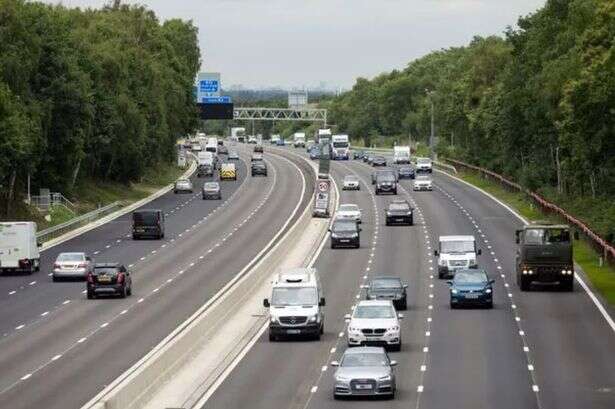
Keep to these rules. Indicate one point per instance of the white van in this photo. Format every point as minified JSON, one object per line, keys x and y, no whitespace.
{"x":18,"y":247}
{"x":295,"y":307}
{"x":456,"y":253}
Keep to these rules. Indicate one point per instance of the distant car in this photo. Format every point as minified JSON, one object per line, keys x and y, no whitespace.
{"x":388,"y":288}
{"x":374,"y":322}
{"x":279,"y":142}
{"x":211,"y":190}
{"x":252,"y":140}
{"x":368,"y":157}
{"x":386,"y":183}
{"x":471,"y":287}
{"x":423,"y":165}
{"x":256,"y":157}
{"x":183,"y":185}
{"x":232,"y":155}
{"x":148,"y":223}
{"x":399,"y":212}
{"x":379,"y":161}
{"x":315,"y":153}
{"x":380,"y":172}
{"x":365,"y":371}
{"x":71,"y":266}
{"x":406,"y":172}
{"x":422,"y":183}
{"x":258,"y":168}
{"x":258,"y":148}
{"x":222,"y":150}
{"x":351,"y":182}
{"x":348,"y":212}
{"x":220,"y":143}
{"x":358,"y":154}
{"x":205,"y":169}
{"x":109,"y":279}
{"x":345,"y":233}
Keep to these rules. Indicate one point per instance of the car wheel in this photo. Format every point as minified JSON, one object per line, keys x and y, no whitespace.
{"x":396,"y":348}
{"x":404,"y":306}
{"x":440,"y":275}
{"x":568,"y":285}
{"x":322,"y":328}
{"x":129,"y":292}
{"x":55,"y":279}
{"x":272,"y":338}
{"x":387,"y":223}
{"x":490,"y":304}
{"x":123,"y":293}
{"x":317,"y":336}
{"x":332,"y":245}
{"x":524,"y":284}
{"x":453,"y":306}
{"x":91,"y":295}
{"x":412,"y":222}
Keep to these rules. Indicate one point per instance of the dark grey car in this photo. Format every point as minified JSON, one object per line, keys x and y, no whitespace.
{"x":388,"y":288}
{"x":364,"y":371}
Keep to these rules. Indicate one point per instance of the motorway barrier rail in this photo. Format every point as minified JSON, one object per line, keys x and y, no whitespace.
{"x":605,"y":248}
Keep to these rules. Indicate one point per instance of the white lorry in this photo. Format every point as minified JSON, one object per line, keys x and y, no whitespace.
{"x":212,"y":145}
{"x":238,"y":134}
{"x":299,"y":140}
{"x":18,"y":247}
{"x":323,"y":136}
{"x":401,"y":155}
{"x":341,"y":147}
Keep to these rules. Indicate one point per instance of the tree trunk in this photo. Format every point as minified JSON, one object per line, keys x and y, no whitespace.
{"x":558,"y":167}
{"x":592,"y":183}
{"x":11,"y":194}
{"x":75,"y":174}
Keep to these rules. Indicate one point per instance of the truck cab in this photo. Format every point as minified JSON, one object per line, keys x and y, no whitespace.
{"x":456,"y":253}
{"x":341,"y":147}
{"x":544,"y":256}
{"x":295,"y":306}
{"x":401,"y":155}
{"x":299,"y":140}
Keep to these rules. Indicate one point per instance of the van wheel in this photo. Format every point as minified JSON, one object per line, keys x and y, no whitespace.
{"x":129,"y":292}
{"x":317,"y":336}
{"x":272,"y":338}
{"x":524,"y":284}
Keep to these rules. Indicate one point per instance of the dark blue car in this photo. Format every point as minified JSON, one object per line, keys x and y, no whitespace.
{"x":315,"y":152}
{"x":471,"y":288}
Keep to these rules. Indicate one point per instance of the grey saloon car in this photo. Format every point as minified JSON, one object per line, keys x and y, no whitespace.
{"x":72,"y":266}
{"x":211,"y":190}
{"x":364,"y":371}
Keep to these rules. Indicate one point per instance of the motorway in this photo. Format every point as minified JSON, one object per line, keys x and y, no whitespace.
{"x":59,"y":349}
{"x":542,"y":349}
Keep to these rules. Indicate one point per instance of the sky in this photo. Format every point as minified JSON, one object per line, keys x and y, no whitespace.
{"x":306,"y":43}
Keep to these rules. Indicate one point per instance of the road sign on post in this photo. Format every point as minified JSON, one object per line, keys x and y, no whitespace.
{"x":322,"y":198}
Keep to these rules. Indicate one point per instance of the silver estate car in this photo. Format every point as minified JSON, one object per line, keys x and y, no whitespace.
{"x":72,"y":266}
{"x":364,"y":371}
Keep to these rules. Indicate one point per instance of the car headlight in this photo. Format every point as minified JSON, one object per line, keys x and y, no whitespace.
{"x":353,"y":329}
{"x":394,"y":328}
{"x":354,"y":235}
{"x":442,"y":263}
{"x":334,"y":236}
{"x":488,"y":290}
{"x":273,"y":319}
{"x":453,"y":291}
{"x":342,"y":379}
{"x":313,"y":318}
{"x":385,"y":378}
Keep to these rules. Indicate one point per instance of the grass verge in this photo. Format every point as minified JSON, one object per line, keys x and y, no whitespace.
{"x":601,"y":277}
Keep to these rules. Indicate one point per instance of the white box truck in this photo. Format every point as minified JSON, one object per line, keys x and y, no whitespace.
{"x":401,"y":155}
{"x":18,"y":247}
{"x":341,"y":147}
{"x":299,"y":140}
{"x":238,"y":134}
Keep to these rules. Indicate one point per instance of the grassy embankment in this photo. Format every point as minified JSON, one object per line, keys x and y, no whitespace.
{"x":602,"y":277}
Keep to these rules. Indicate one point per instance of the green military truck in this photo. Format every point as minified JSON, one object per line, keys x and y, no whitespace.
{"x":544,"y":256}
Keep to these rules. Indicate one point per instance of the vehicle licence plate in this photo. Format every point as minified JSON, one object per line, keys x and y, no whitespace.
{"x":293,"y":331}
{"x":104,"y":279}
{"x":344,"y":240}
{"x":364,"y":386}
{"x":471,"y":295}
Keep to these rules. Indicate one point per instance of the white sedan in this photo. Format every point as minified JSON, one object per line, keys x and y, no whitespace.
{"x":348,"y":212}
{"x":422,"y":183}
{"x":351,"y":182}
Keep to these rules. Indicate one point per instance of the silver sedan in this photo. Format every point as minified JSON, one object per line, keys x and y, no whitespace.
{"x":183,"y":185}
{"x":71,"y":266}
{"x":364,"y":371}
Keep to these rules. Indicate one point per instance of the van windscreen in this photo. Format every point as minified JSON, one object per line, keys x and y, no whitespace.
{"x":294,"y":296}
{"x":147,"y":218}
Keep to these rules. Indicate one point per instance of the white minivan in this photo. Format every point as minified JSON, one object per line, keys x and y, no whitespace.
{"x":19,"y":248}
{"x":295,"y":307}
{"x":456,"y":253}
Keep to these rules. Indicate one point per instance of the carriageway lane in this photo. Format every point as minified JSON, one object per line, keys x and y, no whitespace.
{"x":282,"y":374}
{"x":24,"y":298}
{"x":234,"y":236}
{"x":570,"y":344}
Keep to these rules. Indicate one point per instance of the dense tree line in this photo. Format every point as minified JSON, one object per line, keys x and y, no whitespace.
{"x":537,"y":105}
{"x":100,"y":94}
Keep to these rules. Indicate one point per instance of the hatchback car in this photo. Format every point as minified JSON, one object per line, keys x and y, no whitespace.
{"x":258,"y":168}
{"x":211,"y":190}
{"x":388,"y":288}
{"x":72,"y":266}
{"x":365,"y":371}
{"x":376,"y":323}
{"x":406,"y":172}
{"x":379,"y":161}
{"x":345,"y":233}
{"x":358,"y":154}
{"x":471,"y":287}
{"x":348,"y":212}
{"x":351,"y":182}
{"x":183,"y":185}
{"x":222,"y":150}
{"x":256,"y":157}
{"x":232,"y":155}
{"x":315,"y":153}
{"x":109,"y":279}
{"x":422,"y":183}
{"x":399,"y":212}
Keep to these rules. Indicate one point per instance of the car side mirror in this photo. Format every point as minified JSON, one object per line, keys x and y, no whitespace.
{"x":360,"y":229}
{"x":322,"y":302}
{"x":436,"y":253}
{"x":405,"y":285}
{"x":266,"y":303}
{"x":479,"y":252}
{"x":335,"y":363}
{"x":347,"y":317}
{"x":576,"y":235}
{"x":364,"y":286}
{"x":400,"y":316}
{"x":393,"y":363}
{"x":491,"y":281}
{"x":449,"y":282}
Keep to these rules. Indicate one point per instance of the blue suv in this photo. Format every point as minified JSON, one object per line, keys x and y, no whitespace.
{"x":471,"y":287}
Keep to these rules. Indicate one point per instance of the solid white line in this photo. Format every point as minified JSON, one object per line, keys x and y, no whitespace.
{"x":19,"y":326}
{"x":23,"y":378}
{"x":81,"y":340}
{"x":104,"y":325}
{"x":45,"y":313}
{"x":12,"y":292}
{"x":55,"y":358}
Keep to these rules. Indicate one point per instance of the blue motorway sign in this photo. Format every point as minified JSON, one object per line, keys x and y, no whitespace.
{"x":209,"y":86}
{"x":216,"y":100}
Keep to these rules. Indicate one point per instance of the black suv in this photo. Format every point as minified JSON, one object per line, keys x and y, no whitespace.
{"x":345,"y":233}
{"x":109,"y":279}
{"x":399,"y":212}
{"x":386,"y":184}
{"x":388,"y":288}
{"x":259,"y":168}
{"x":406,"y":172}
{"x":148,"y":223}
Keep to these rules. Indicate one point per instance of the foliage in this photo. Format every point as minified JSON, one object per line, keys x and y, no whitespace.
{"x":537,"y":105}
{"x":97,"y":95}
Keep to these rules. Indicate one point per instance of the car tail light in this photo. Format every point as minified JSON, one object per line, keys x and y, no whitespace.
{"x":120,"y":278}
{"x":90,"y":278}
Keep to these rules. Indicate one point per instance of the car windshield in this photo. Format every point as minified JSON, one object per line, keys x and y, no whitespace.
{"x":405,"y":169}
{"x":71,"y":257}
{"x":545,"y":236}
{"x":365,"y":359}
{"x":379,"y":158}
{"x":340,"y":144}
{"x":386,"y":178}
{"x":457,"y":246}
{"x":399,"y":206}
{"x":349,"y":208}
{"x":344,"y":227}
{"x":105,"y":270}
{"x":183,"y":181}
{"x":423,"y":178}
{"x":294,"y":296}
{"x":374,"y":311}
{"x":386,"y":283}
{"x":470,"y":277}
{"x":145,"y":217}
{"x":211,"y":185}
{"x":350,"y":178}
{"x":423,"y":161}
